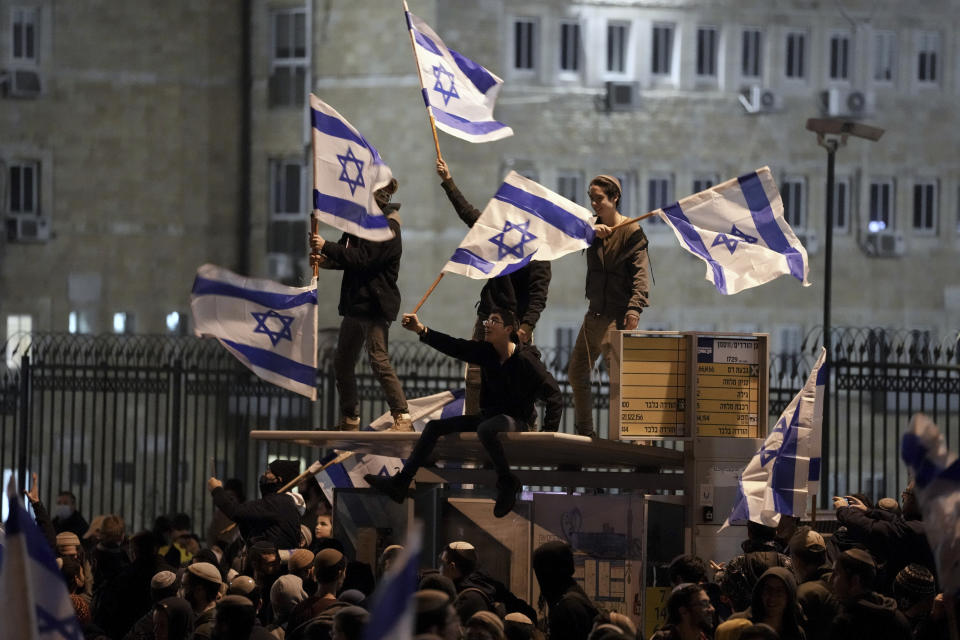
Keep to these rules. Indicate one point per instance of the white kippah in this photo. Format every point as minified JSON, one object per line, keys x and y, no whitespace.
{"x":460,"y":545}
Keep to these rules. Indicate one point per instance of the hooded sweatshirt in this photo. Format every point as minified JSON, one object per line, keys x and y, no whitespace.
{"x":870,"y":617}
{"x":179,"y":618}
{"x":792,"y":615}
{"x":571,"y":612}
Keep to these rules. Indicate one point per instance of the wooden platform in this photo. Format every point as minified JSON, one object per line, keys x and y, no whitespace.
{"x":522,"y":449}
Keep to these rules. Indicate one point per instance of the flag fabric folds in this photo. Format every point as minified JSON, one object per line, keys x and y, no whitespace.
{"x":349,"y":473}
{"x":269,"y":327}
{"x":36,"y":604}
{"x":936,"y":471}
{"x":347,"y":170}
{"x":456,"y":90}
{"x":786,"y":469}
{"x":738,"y":229}
{"x":524,"y":221}
{"x":393,"y":608}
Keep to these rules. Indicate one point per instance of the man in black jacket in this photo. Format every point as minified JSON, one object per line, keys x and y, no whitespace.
{"x":273,"y":517}
{"x":369,"y":302}
{"x":570,"y":612}
{"x":865,"y":614}
{"x":524,"y":291}
{"x":512,"y":378}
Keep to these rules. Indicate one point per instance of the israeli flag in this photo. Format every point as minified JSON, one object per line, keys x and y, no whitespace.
{"x":786,"y":469}
{"x":269,"y":327}
{"x":347,"y":170}
{"x":393,"y":607}
{"x":457,"y":91}
{"x":348,"y":473}
{"x":524,"y":221}
{"x":738,"y":229}
{"x":36,"y":604}
{"x":936,"y":471}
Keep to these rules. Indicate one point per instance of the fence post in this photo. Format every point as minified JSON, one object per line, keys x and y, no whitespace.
{"x":25,"y":373}
{"x":176,"y":388}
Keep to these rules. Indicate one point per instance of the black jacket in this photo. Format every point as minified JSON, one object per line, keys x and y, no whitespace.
{"x":370,"y":270}
{"x":871,"y":617}
{"x":480,"y":592}
{"x":819,"y":604}
{"x":618,"y":273}
{"x":509,"y":388}
{"x":897,"y":539}
{"x":524,"y":292}
{"x":274,"y":517}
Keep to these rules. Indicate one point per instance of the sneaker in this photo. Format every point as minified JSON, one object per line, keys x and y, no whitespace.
{"x":401,"y":422}
{"x":349,"y":423}
{"x":507,"y":490}
{"x":388,"y":486}
{"x":585,"y":431}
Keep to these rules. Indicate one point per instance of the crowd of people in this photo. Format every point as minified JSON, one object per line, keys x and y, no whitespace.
{"x":271,"y":568}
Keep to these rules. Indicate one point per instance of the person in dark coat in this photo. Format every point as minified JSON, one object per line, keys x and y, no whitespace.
{"x":475,"y":590}
{"x":808,"y":553}
{"x":570,"y":612}
{"x":513,"y":377}
{"x":173,"y":619}
{"x":774,"y":603}
{"x":273,"y":517}
{"x":739,"y":576}
{"x":66,"y":517}
{"x":524,"y":291}
{"x":865,"y":614}
{"x":369,"y":302}
{"x":900,"y":539}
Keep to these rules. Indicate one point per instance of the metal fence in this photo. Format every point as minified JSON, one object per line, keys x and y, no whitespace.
{"x":132,"y":424}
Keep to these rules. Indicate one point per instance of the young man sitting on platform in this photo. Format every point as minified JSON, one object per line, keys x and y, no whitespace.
{"x":512,"y":378}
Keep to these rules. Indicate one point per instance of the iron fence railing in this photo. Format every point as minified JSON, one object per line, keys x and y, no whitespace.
{"x":133,"y":424}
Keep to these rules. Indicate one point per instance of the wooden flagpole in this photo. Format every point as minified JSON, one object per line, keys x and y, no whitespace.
{"x":429,"y":291}
{"x":290,"y":485}
{"x":433,"y":124}
{"x":315,"y":256}
{"x":637,"y":219}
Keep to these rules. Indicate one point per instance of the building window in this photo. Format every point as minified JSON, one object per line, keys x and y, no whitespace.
{"x":618,"y":34}
{"x":570,"y":186}
{"x":925,"y":206}
{"x":19,"y":327}
{"x":928,"y":53}
{"x":286,"y":186}
{"x":524,"y":43}
{"x":659,"y":195}
{"x":570,"y":46}
{"x":750,"y":54}
{"x":78,"y":322}
{"x":24,"y":36}
{"x":174,"y":322}
{"x":707,"y":51}
{"x":881,"y":205}
{"x":703,"y":182}
{"x":289,"y":63}
{"x":840,"y":56}
{"x":123,"y":322}
{"x":661,"y":63}
{"x":884,"y":56}
{"x":23,"y":187}
{"x":793,"y":192}
{"x":796,"y":55}
{"x":841,"y":204}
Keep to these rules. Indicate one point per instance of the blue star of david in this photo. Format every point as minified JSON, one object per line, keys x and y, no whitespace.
{"x":275,"y":336}
{"x":439,"y":71}
{"x":48,"y":623}
{"x":731,"y":243}
{"x":349,"y":158}
{"x":768,"y":454}
{"x":504,"y":249}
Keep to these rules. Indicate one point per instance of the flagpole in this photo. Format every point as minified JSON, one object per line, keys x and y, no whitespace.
{"x":637,"y":219}
{"x":429,"y":291}
{"x":433,"y":124}
{"x":310,"y":472}
{"x":315,"y":256}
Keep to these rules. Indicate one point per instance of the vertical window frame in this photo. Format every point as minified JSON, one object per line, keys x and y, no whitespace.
{"x":793,"y":193}
{"x":280,"y":172}
{"x":924,"y":206}
{"x":707,"y":52}
{"x":663,"y":35}
{"x":525,"y":33}
{"x":929,"y":58}
{"x":795,"y":55}
{"x":884,"y":58}
{"x":24,"y":35}
{"x":292,"y":65}
{"x":842,"y":203}
{"x":570,"y":48}
{"x":839,"y":56}
{"x":751,"y":53}
{"x":618,"y":47}
{"x":882,"y":203}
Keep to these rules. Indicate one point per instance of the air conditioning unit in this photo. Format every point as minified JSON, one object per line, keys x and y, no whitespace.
{"x":809,"y":240}
{"x":621,"y":96}
{"x":756,"y":99}
{"x":21,"y":83}
{"x":851,"y":103}
{"x":28,"y":228}
{"x":885,"y":244}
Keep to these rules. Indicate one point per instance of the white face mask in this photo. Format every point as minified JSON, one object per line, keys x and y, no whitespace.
{"x":62,"y":511}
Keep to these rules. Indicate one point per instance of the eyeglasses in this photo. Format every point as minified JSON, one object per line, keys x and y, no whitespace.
{"x":492,"y":321}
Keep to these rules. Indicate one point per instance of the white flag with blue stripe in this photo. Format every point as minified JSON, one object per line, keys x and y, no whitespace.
{"x":458,"y":92}
{"x":347,"y":170}
{"x":786,"y":469}
{"x":936,"y":471}
{"x":269,"y":327}
{"x":349,"y":473}
{"x":393,"y":608}
{"x":524,"y":221}
{"x":36,"y":604}
{"x":738,"y":229}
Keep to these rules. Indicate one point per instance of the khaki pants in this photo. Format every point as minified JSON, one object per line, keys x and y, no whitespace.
{"x":354,"y":334}
{"x":598,"y":337}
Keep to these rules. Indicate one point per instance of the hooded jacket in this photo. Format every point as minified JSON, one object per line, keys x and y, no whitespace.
{"x":792,"y":614}
{"x":480,"y":592}
{"x":524,"y":292}
{"x":180,"y":618}
{"x":618,"y":273}
{"x":370,"y":271}
{"x":819,"y":604}
{"x":570,"y":612}
{"x":870,"y":617}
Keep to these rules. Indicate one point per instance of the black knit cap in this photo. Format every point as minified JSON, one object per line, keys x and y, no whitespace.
{"x":914,"y":582}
